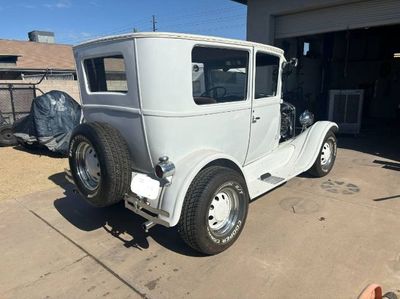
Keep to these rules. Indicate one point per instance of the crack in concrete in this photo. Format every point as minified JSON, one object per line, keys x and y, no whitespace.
{"x":104,"y":266}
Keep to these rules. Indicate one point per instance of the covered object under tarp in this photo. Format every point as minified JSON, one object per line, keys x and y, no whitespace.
{"x":50,"y":122}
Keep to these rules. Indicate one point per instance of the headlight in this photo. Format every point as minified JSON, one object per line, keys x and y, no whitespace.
{"x":306,"y":119}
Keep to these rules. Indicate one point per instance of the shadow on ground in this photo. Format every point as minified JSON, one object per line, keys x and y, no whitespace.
{"x":118,"y":221}
{"x":38,"y":150}
{"x":382,"y":141}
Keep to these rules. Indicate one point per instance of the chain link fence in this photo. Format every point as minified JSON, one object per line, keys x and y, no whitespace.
{"x":16,"y":100}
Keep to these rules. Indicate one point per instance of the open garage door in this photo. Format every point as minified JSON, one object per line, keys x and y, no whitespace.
{"x":337,"y":18}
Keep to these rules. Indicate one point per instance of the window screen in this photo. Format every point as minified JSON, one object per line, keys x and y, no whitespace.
{"x":267,"y":71}
{"x":106,"y":74}
{"x":219,"y":75}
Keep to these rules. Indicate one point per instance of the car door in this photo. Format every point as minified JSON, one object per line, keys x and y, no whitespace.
{"x":266,"y":100}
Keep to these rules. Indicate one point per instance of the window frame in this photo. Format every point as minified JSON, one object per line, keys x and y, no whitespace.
{"x":279,"y":82}
{"x":104,"y":55}
{"x":247,"y":93}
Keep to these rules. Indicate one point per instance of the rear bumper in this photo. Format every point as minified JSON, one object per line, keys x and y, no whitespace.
{"x":141,"y":208}
{"x":136,"y":205}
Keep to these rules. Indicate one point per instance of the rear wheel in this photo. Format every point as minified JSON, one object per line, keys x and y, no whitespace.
{"x":326,"y":157}
{"x":100,"y":163}
{"x":214,"y":210}
{"x":6,"y":136}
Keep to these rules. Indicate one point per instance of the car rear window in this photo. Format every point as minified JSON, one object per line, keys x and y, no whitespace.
{"x":219,"y":75}
{"x":106,"y":74}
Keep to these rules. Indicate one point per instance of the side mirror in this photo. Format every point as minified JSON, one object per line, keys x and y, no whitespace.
{"x":292,"y":63}
{"x":306,"y":119}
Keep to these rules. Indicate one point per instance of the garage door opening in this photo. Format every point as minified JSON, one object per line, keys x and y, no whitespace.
{"x":351,"y":77}
{"x":360,"y":67}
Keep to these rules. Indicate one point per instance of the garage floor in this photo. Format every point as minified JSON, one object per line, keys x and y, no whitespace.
{"x":311,"y":238}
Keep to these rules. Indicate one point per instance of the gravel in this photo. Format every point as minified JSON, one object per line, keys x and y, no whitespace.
{"x":23,"y":172}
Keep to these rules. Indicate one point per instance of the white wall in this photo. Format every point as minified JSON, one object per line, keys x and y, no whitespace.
{"x":260,"y":15}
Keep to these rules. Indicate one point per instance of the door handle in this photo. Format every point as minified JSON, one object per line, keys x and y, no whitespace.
{"x":255,"y":119}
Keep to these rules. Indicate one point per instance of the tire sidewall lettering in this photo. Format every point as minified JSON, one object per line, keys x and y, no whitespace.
{"x":228,"y":238}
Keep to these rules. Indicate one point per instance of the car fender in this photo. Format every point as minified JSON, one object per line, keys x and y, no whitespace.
{"x":311,"y":144}
{"x":186,"y":170}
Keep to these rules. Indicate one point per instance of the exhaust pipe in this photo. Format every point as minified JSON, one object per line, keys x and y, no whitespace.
{"x":147,"y":225}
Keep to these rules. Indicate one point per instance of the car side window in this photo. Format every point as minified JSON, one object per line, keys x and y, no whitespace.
{"x":106,"y":74}
{"x":267,"y":72}
{"x":219,"y":75}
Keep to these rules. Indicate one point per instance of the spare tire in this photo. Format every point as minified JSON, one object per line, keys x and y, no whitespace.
{"x":100,"y":163}
{"x":6,"y":136}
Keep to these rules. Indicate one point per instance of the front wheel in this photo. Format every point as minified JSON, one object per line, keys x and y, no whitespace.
{"x":326,"y":157}
{"x":214,"y":210}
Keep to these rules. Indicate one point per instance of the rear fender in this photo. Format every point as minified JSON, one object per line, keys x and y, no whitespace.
{"x":186,"y":170}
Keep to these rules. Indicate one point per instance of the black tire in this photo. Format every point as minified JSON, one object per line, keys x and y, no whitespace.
{"x":6,"y":136}
{"x":319,"y":169}
{"x":114,"y":162}
{"x":194,"y":224}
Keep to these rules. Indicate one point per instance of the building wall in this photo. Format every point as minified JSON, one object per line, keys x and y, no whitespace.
{"x":260,"y":15}
{"x":69,"y":86}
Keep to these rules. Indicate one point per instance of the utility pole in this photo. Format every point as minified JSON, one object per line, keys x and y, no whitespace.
{"x":154,"y":23}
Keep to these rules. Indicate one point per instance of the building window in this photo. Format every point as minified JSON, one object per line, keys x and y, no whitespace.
{"x":267,"y":71}
{"x":8,"y":60}
{"x":106,"y":74}
{"x":306,"y":48}
{"x":219,"y":75}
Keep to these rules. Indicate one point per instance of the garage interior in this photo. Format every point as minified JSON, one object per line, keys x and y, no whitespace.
{"x":351,"y":77}
{"x":367,"y":60}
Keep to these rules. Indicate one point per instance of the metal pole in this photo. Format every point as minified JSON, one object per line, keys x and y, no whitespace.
{"x":12,"y":101}
{"x":154,"y":23}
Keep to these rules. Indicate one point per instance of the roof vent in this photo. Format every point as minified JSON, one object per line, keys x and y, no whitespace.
{"x":41,"y":37}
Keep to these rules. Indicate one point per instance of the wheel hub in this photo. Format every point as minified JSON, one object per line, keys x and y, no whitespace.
{"x":221,"y":212}
{"x":88,"y":166}
{"x":326,"y":154}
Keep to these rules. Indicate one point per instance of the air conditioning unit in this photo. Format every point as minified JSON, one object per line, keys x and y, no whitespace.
{"x":345,"y":108}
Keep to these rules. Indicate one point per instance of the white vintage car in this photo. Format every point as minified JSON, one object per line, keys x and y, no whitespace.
{"x":188,"y":129}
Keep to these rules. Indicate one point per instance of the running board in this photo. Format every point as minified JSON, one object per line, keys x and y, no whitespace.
{"x":268,"y":178}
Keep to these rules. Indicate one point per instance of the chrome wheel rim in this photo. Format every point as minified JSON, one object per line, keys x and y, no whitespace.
{"x":88,"y":166}
{"x":223,"y":211}
{"x":326,"y":154}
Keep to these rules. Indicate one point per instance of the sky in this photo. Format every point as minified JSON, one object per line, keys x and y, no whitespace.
{"x":75,"y":21}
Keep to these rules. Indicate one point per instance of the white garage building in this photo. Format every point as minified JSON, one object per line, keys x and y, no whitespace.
{"x":349,"y":56}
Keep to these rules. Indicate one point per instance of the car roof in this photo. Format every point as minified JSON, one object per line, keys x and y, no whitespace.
{"x":171,"y":35}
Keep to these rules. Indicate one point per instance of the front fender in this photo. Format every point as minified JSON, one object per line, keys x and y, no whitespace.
{"x":186,"y":170}
{"x":312,"y":140}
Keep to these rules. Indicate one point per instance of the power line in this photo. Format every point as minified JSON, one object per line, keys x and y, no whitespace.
{"x":175,"y":22}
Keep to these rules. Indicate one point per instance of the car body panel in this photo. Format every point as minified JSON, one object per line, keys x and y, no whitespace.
{"x":159,"y":118}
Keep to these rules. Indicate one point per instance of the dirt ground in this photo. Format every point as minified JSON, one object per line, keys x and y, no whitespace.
{"x":25,"y":172}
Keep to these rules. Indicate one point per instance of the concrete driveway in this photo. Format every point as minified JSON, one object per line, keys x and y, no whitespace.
{"x":311,"y":238}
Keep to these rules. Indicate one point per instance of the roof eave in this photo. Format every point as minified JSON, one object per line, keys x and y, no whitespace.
{"x":241,"y":1}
